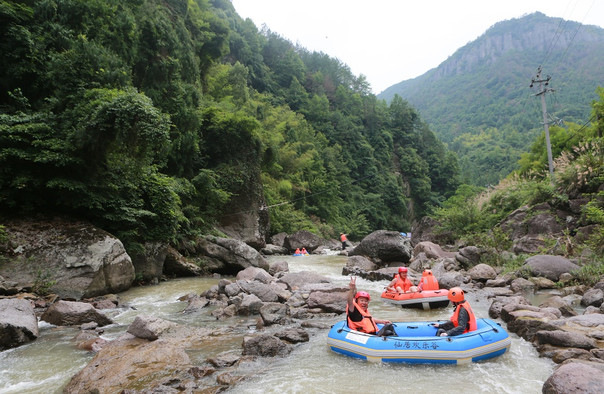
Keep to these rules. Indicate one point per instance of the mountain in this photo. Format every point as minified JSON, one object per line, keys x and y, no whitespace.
{"x":479,"y":102}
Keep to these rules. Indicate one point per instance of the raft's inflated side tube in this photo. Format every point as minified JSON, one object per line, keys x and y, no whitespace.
{"x":417,"y":343}
{"x":427,"y":299}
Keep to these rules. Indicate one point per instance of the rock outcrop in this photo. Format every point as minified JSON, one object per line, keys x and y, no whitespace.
{"x":70,"y":258}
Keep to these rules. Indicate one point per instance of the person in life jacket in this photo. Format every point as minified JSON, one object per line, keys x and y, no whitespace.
{"x":428,"y":281}
{"x":401,"y":284}
{"x":303,"y":251}
{"x":344,"y":240}
{"x":463,"y":319}
{"x":357,"y":311}
{"x":297,"y":251}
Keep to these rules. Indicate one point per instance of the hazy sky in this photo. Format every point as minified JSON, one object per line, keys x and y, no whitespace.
{"x":390,"y":41}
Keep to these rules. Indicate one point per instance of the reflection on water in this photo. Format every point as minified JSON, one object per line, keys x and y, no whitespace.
{"x":47,"y":364}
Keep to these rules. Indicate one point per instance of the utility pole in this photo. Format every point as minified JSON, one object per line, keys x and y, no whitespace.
{"x":543,"y":89}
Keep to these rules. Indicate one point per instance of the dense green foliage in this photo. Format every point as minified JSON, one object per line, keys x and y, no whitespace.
{"x":150,"y":117}
{"x":479,"y":102}
{"x":474,"y":213}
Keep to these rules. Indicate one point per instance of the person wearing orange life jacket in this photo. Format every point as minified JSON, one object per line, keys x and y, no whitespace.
{"x":357,"y":312}
{"x":463,"y":319}
{"x":303,"y":251}
{"x":428,"y":281}
{"x":344,"y":240}
{"x":400,"y":283}
{"x":297,"y":251}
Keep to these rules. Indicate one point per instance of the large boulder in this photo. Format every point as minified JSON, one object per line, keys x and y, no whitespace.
{"x":550,"y":267}
{"x":18,"y":323}
{"x":230,"y":255}
{"x":73,"y":259}
{"x":576,"y":377}
{"x":384,"y":246}
{"x":431,"y":250}
{"x":69,"y":313}
{"x":149,"y":262}
{"x":302,"y":239}
{"x":427,"y":230}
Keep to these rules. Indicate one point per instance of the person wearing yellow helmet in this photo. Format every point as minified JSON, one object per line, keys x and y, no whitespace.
{"x":463,"y":319}
{"x":357,"y":310}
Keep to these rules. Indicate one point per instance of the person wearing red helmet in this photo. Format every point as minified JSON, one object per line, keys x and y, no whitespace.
{"x":357,"y":311}
{"x":463,"y":319}
{"x":400,"y":283}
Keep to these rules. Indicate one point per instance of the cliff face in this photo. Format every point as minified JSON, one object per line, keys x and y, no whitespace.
{"x":534,"y":33}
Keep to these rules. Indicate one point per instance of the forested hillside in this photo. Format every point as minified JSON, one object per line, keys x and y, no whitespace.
{"x":479,"y":102}
{"x":161,"y":119}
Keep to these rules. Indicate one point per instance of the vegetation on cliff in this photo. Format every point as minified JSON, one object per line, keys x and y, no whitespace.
{"x":149,"y":118}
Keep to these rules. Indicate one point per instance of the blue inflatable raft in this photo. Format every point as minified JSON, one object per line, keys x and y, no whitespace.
{"x":417,"y":343}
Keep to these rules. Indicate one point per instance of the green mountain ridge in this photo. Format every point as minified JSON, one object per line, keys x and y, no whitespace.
{"x":479,"y":102}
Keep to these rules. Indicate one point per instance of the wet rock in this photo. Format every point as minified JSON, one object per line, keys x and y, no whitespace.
{"x":250,"y":305}
{"x":274,"y":313}
{"x":225,"y":359}
{"x":18,"y":323}
{"x":293,"y":335}
{"x":196,"y":304}
{"x":576,"y":377}
{"x":231,"y":254}
{"x":497,"y":282}
{"x":70,"y":313}
{"x":149,"y":327}
{"x":265,"y":345}
{"x":263,"y":291}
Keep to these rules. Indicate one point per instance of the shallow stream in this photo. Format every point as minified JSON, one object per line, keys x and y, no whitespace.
{"x":47,"y":364}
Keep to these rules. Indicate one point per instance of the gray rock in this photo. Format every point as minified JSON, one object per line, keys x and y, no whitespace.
{"x":69,"y":313}
{"x":265,"y":345}
{"x":70,"y":258}
{"x":549,"y":266}
{"x":384,"y":246}
{"x":565,"y":339}
{"x":149,"y":327}
{"x":254,"y":273}
{"x":576,"y":377}
{"x":302,"y":239}
{"x":593,"y":297}
{"x":274,"y":313}
{"x":149,"y":264}
{"x":293,"y":335}
{"x":521,"y":285}
{"x":250,"y":305}
{"x":279,"y":266}
{"x":302,"y":279}
{"x":482,"y":273}
{"x":18,"y":323}
{"x":431,"y":251}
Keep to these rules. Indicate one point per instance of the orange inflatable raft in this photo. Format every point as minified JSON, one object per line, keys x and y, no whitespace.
{"x":430,"y":295}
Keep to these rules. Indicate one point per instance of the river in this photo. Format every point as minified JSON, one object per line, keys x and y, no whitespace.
{"x":47,"y":364}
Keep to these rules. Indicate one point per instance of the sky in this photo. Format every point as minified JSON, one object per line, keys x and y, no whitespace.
{"x":389,"y":41}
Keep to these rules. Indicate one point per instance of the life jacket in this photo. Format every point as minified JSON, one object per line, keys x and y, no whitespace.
{"x":428,"y":282}
{"x":303,"y":251}
{"x":403,"y":284}
{"x":471,"y":321}
{"x":343,"y":238}
{"x":366,"y":325}
{"x":297,"y":251}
